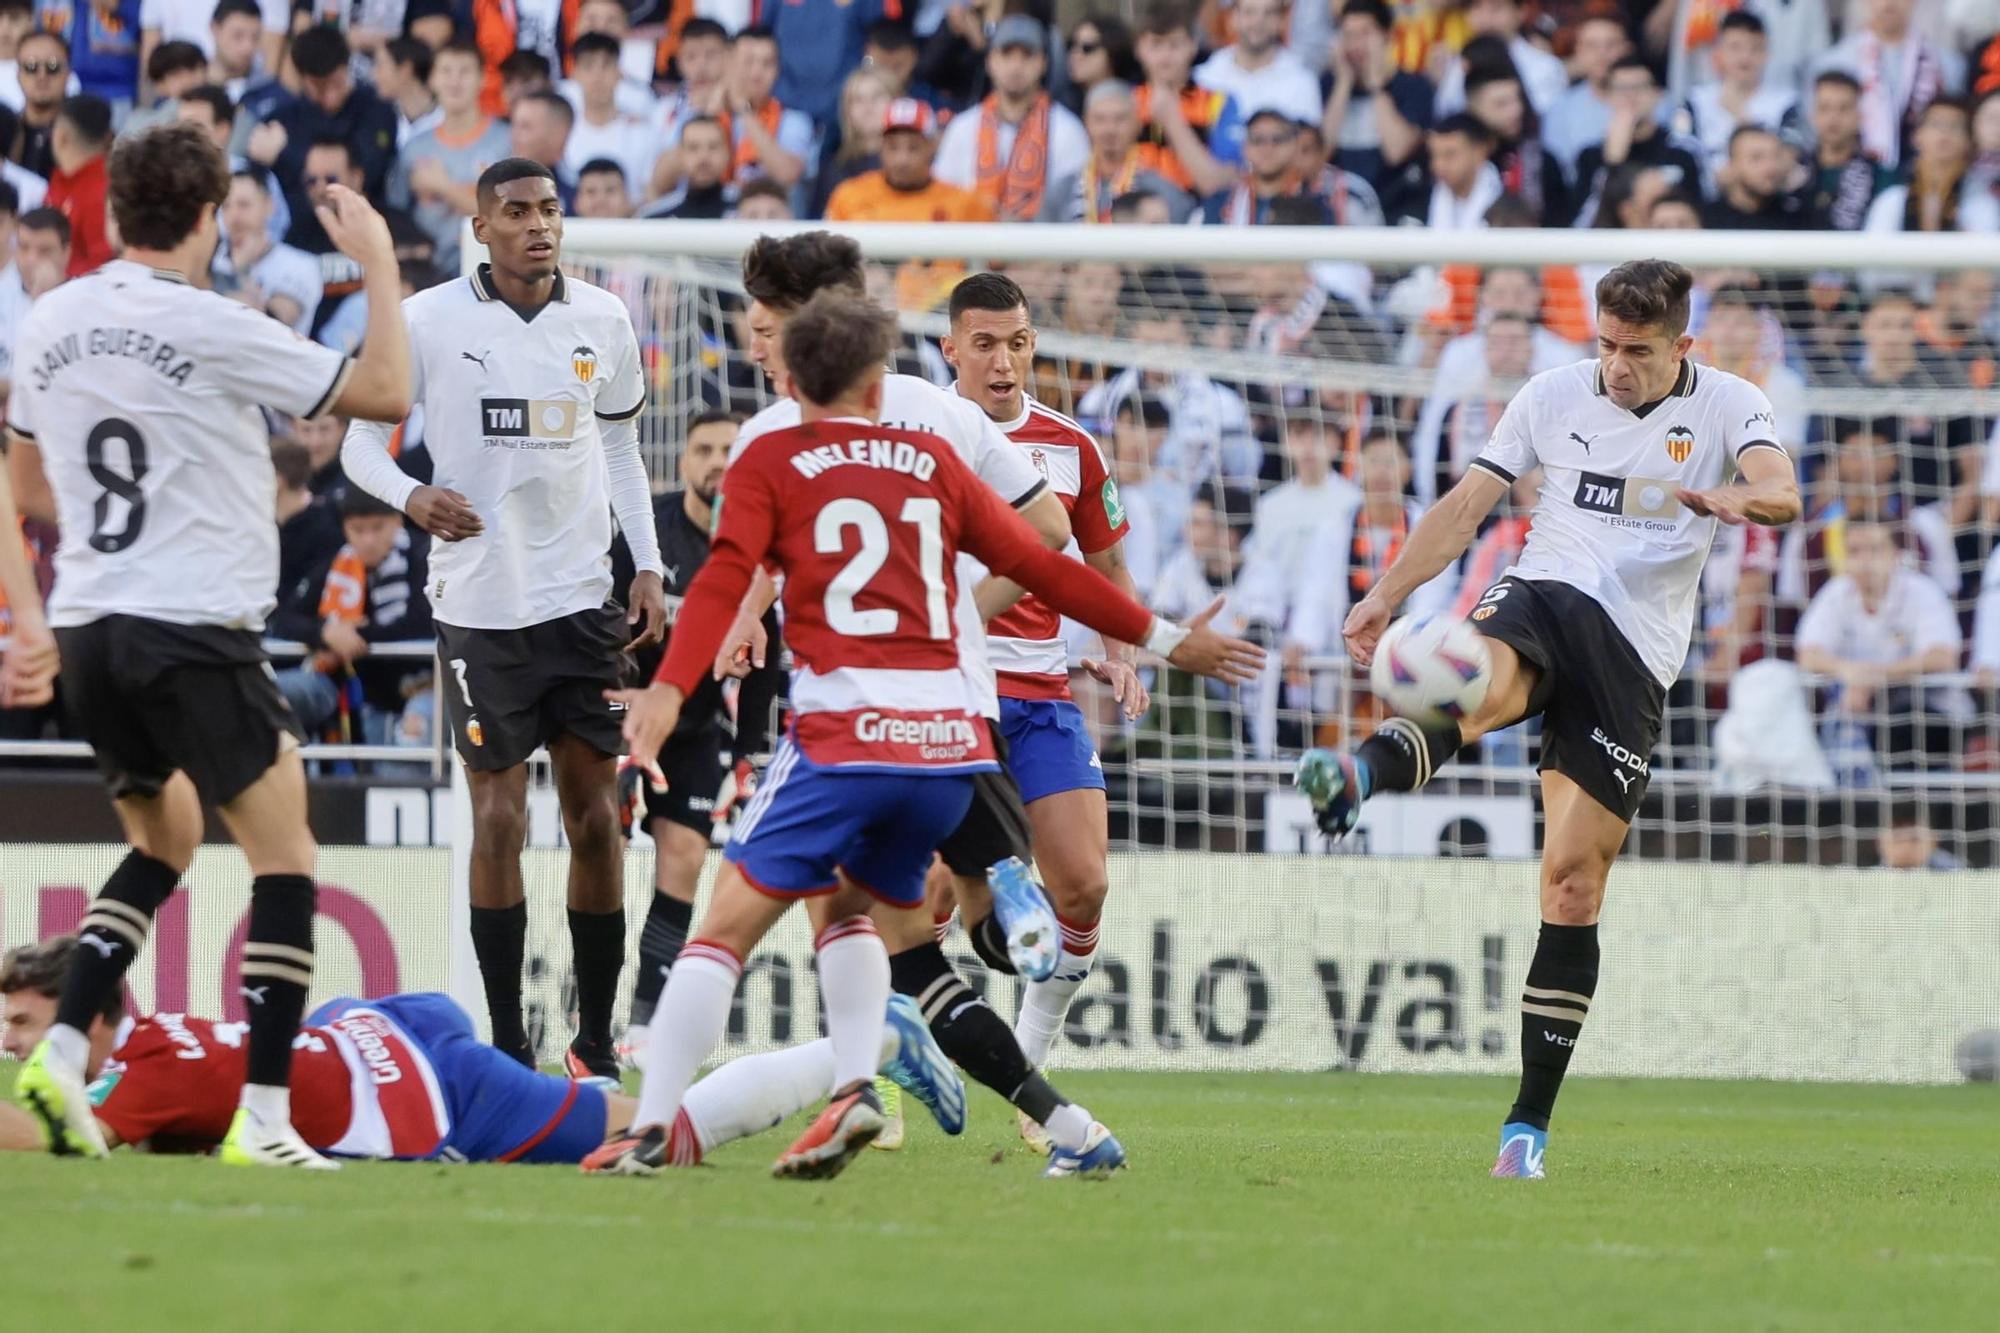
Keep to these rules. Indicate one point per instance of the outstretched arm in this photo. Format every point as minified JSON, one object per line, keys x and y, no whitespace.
{"x":1440,"y":537}
{"x":1768,"y":493}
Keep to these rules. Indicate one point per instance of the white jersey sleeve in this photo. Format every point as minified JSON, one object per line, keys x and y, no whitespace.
{"x":1749,"y":421}
{"x":364,"y":454}
{"x":997,"y":460}
{"x":1511,"y":452}
{"x":263,"y":361}
{"x":621,"y":394}
{"x":1986,"y":619}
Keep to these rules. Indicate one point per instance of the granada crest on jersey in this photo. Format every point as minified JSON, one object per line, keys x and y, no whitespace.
{"x":583,"y":360}
{"x":1680,"y":443}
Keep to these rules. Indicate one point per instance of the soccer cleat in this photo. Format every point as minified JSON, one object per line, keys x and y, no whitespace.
{"x":1034,"y":937}
{"x":839,"y":1133}
{"x":584,"y":1062}
{"x":251,"y":1143}
{"x":1100,"y":1155}
{"x":921,"y":1069}
{"x":891,"y":1097}
{"x":54,"y":1094}
{"x":631,"y":1048}
{"x":635,"y":1155}
{"x":1334,"y":785}
{"x":1521,"y":1149}
{"x":1033,"y":1134}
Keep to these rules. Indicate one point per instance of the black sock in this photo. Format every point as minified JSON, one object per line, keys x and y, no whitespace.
{"x":1402,"y":756}
{"x":990,"y":943}
{"x":112,"y":933}
{"x":660,"y":941}
{"x":500,"y":939}
{"x":1561,"y":980}
{"x":968,"y":1031}
{"x":597,"y":947}
{"x":277,"y":972}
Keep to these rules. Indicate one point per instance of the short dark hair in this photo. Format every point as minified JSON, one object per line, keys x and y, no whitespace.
{"x":1270,"y":113}
{"x":1650,"y":292}
{"x":320,"y":51}
{"x":1511,"y":210}
{"x":755,"y":32}
{"x":554,"y":101}
{"x":41,"y":968}
{"x":460,"y":46}
{"x":509,"y":169}
{"x":409,"y":51}
{"x":526,"y":65}
{"x":761,"y":188}
{"x":89,"y":118}
{"x":215,"y":98}
{"x":1485,"y":76}
{"x":1377,"y":10}
{"x":171,"y":58}
{"x":161,"y":179}
{"x":1164,"y":17}
{"x":833,"y":341}
{"x":357,"y":503}
{"x":1683,"y":195}
{"x":1466,"y":124}
{"x":1839,"y":78}
{"x":17,"y":6}
{"x":229,"y":9}
{"x":784,"y":272}
{"x":713,"y":416}
{"x":1740,"y":20}
{"x":710,"y":121}
{"x":700,"y":27}
{"x":986,"y":291}
{"x":594,"y":44}
{"x":1127,"y":204}
{"x":1233,"y":505}
{"x":335,"y":141}
{"x":1745,"y":130}
{"x":292,"y":462}
{"x":1632,"y":60}
{"x":600,"y":166}
{"x":886,"y":34}
{"x":255,"y":175}
{"x":1145,"y":409}
{"x":1890,"y":296}
{"x":45,"y":219}
{"x":1947,"y":102}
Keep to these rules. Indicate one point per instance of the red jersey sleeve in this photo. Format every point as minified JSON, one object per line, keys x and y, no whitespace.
{"x":163,"y":1086}
{"x":742,"y":541}
{"x":1098,"y":519}
{"x":1005,"y":544}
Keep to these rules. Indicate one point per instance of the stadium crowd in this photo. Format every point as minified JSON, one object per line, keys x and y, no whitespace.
{"x":1879,"y":115}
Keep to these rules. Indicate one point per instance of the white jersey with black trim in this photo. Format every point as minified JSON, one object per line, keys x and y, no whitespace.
{"x":1607,"y":522}
{"x":143,"y":394}
{"x":909,"y":403}
{"x":519,"y":415}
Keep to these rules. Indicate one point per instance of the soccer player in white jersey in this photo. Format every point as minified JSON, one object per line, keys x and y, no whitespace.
{"x":1588,"y":628}
{"x":137,"y":428}
{"x":531,"y":387}
{"x":1048,"y":747}
{"x":993,"y":839}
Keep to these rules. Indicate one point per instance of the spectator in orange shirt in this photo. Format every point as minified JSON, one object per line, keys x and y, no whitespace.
{"x":904,"y":190}
{"x":1199,"y":132}
{"x":82,"y":134}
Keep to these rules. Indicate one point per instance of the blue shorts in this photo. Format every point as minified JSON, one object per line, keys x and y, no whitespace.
{"x":501,"y":1111}
{"x":880,"y":827}
{"x":1049,"y":749}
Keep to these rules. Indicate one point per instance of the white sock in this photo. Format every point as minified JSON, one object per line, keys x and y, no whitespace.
{"x":753,"y":1093}
{"x":1046,"y":1003}
{"x":1068,"y":1126}
{"x":269,"y":1107}
{"x":693,"y":1010}
{"x":70,"y":1048}
{"x":854,"y":986}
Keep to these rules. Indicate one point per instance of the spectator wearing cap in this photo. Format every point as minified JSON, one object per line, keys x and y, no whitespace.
{"x":1198,"y":133}
{"x":1270,"y":173}
{"x":1257,"y":72}
{"x":819,"y":41}
{"x":602,"y":128}
{"x":1118,"y":163}
{"x":103,"y":41}
{"x":328,"y":105}
{"x":1376,"y":114}
{"x":1010,"y":148}
{"x":904,"y":189}
{"x":435,"y":173}
{"x":79,"y":185}
{"x":953,"y":63}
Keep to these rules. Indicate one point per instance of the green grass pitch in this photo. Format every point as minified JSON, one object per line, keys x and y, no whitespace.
{"x":1253,"y":1202}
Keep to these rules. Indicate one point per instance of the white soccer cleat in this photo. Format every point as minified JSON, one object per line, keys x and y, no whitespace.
{"x":1033,"y":1134}
{"x":252,"y":1143}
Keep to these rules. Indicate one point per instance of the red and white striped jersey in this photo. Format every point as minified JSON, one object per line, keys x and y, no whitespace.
{"x":1025,"y":641}
{"x":865,"y":522}
{"x":360,"y":1087}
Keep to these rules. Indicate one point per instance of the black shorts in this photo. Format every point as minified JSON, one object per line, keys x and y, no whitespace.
{"x":1601,"y":707}
{"x":995,"y":826}
{"x":692,"y":764}
{"x":510,"y":691}
{"x":154,"y":698}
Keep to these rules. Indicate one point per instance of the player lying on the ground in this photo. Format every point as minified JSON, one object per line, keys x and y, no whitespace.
{"x":400,"y":1077}
{"x":1589,"y":628}
{"x":865,"y":521}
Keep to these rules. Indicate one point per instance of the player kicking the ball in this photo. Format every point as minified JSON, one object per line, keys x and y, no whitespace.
{"x":136,"y":425}
{"x":865,"y":521}
{"x":1590,"y":626}
{"x":1049,"y":750}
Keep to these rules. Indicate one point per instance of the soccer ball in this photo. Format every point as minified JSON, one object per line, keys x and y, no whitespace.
{"x":1429,"y":668}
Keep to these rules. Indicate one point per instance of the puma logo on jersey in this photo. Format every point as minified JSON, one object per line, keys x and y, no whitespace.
{"x":479,"y":361}
{"x":1580,"y":440}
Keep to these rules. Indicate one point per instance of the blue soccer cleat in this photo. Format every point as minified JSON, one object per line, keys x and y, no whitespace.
{"x":1034,"y":938}
{"x":1100,"y":1155}
{"x":920,"y":1068}
{"x":1336,"y":784}
{"x":1521,"y":1149}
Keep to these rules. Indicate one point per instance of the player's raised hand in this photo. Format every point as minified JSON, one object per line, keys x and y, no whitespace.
{"x":649,"y":600}
{"x":650,"y":715}
{"x":28,"y":668}
{"x":1207,"y":653}
{"x":1364,"y":627}
{"x":1727,"y":503}
{"x":743,"y":648}
{"x":1126,"y":687}
{"x":354,"y":227}
{"x":445,"y":515}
